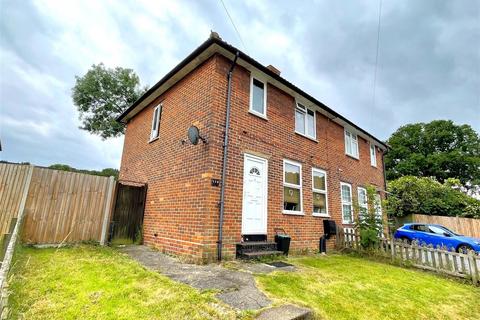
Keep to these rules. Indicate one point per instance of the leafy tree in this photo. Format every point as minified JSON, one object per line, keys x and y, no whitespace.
{"x":410,"y":195}
{"x":369,"y":223}
{"x":101,"y":95}
{"x":437,"y":149}
{"x":107,"y":172}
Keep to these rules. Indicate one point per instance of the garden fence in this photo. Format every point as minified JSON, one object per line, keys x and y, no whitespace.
{"x":441,"y":259}
{"x":466,"y":226}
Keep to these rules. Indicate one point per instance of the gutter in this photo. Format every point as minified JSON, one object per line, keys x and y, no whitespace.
{"x":225,"y":153}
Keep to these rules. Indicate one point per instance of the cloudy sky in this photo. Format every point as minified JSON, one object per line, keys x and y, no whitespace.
{"x":428,"y":65}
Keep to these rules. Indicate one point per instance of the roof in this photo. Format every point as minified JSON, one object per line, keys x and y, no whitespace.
{"x":215,"y":44}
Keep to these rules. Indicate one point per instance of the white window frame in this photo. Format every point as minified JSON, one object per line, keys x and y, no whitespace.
{"x":251,"y":110}
{"x":301,"y":107}
{"x":362,"y":205}
{"x":373,"y":155}
{"x":155,"y":130}
{"x":291,"y":185}
{"x":325,"y":192}
{"x":346,"y":203}
{"x":349,"y":141}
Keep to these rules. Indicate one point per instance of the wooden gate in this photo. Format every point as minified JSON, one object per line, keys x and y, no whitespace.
{"x":127,"y":219}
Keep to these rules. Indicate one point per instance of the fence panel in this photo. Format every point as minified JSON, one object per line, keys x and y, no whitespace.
{"x":466,"y":226}
{"x":464,"y":265}
{"x":65,"y":207}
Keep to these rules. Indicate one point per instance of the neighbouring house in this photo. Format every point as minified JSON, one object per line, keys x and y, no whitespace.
{"x":291,"y":162}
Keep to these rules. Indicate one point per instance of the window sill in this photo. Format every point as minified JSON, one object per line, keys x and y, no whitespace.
{"x":305,"y":136}
{"x":352,"y":156}
{"x":293,"y":213}
{"x":321,"y":215}
{"x":373,"y":166}
{"x":348,"y":223}
{"x":264,"y":117}
{"x":152,"y":140}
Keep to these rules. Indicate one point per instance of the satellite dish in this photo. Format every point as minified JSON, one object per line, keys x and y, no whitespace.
{"x":194,"y":135}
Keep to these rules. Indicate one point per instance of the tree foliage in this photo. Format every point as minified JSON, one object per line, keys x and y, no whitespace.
{"x":437,"y":149}
{"x":369,"y":223}
{"x":101,"y":95}
{"x":107,"y":172}
{"x":420,"y":195}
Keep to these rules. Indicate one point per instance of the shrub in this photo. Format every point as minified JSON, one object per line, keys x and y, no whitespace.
{"x":369,"y":222}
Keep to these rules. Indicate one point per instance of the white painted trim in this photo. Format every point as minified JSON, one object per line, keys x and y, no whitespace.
{"x":265,"y":200}
{"x":325,"y":192}
{"x":346,"y":203}
{"x":107,"y":210}
{"x":305,"y":109}
{"x":291,"y":185}
{"x":7,"y":259}
{"x":250,"y":108}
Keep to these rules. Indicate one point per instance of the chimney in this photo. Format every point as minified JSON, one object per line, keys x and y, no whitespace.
{"x":273,"y":69}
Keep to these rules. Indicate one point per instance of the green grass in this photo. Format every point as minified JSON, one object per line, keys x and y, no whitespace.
{"x":87,"y":282}
{"x":346,"y":287}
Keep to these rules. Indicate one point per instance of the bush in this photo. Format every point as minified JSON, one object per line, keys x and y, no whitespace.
{"x":414,"y":195}
{"x":369,"y":222}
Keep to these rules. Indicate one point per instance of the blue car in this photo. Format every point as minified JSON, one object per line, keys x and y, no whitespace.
{"x":436,"y":235}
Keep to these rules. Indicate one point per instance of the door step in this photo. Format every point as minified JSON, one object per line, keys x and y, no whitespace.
{"x":256,"y":249}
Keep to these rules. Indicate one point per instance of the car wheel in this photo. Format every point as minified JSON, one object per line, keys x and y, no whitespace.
{"x":464,"y":248}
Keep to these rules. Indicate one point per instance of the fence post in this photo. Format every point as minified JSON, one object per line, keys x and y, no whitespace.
{"x":106,"y":212}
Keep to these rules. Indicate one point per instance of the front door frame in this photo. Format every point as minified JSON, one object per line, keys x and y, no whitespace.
{"x":265,"y":200}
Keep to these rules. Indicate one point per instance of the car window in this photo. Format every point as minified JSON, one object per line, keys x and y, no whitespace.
{"x":419,"y":227}
{"x":449,"y":231}
{"x":437,"y":230}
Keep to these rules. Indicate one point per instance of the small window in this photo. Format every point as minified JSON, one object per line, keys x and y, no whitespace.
{"x":347,"y":207}
{"x":373,"y":155}
{"x":305,"y":121}
{"x":362,"y":201}
{"x":292,"y":187}
{"x":157,"y":114}
{"x":351,"y":144}
{"x":258,"y":97}
{"x":319,"y":188}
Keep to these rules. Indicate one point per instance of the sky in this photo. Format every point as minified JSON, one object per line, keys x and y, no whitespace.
{"x":428,"y":64}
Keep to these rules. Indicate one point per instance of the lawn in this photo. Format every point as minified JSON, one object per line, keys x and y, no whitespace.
{"x":347,"y":287}
{"x":88,"y":282}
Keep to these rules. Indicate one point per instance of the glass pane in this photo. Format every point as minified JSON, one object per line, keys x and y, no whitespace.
{"x":354,"y":147}
{"x":299,"y":121}
{"x":310,"y":124}
{"x":362,"y":197}
{"x":319,"y":203}
{"x":347,"y":213}
{"x":346,"y":197}
{"x":292,"y":174}
{"x":291,"y":199}
{"x":258,"y":97}
{"x":318,"y":180}
{"x":348,"y":143}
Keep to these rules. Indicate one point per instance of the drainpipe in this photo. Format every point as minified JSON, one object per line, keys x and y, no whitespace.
{"x":225,"y":153}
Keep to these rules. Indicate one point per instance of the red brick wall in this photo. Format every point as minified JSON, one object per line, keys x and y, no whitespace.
{"x":182,"y":206}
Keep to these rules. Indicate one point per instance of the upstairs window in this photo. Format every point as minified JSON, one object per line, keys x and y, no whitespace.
{"x":319,"y":188}
{"x":258,"y":98}
{"x":351,"y":144}
{"x":373,"y":155}
{"x":157,"y":112}
{"x":347,"y":207}
{"x":292,"y":187}
{"x":305,"y":121}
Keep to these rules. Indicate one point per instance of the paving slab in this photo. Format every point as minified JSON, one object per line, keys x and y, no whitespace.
{"x":286,"y":312}
{"x":237,"y":288}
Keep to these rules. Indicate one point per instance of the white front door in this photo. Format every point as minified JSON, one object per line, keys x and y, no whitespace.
{"x":254,"y":208}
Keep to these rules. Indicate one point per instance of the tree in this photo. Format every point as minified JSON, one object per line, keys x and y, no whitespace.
{"x":421,"y":195}
{"x":101,"y":95}
{"x":107,"y":172}
{"x":437,"y":149}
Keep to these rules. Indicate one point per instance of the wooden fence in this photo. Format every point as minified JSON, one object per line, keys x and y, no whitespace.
{"x":60,"y":206}
{"x":464,"y":226}
{"x":441,"y":260}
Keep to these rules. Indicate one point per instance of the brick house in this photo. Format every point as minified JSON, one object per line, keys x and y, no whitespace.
{"x":291,"y":162}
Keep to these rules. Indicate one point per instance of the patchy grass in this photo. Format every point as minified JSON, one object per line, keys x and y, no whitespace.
{"x":347,"y":287}
{"x":87,"y":282}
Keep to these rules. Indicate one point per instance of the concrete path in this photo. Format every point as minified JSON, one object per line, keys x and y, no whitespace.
{"x":237,"y":288}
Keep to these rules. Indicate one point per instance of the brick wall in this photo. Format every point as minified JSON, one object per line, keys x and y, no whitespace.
{"x":182,"y":206}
